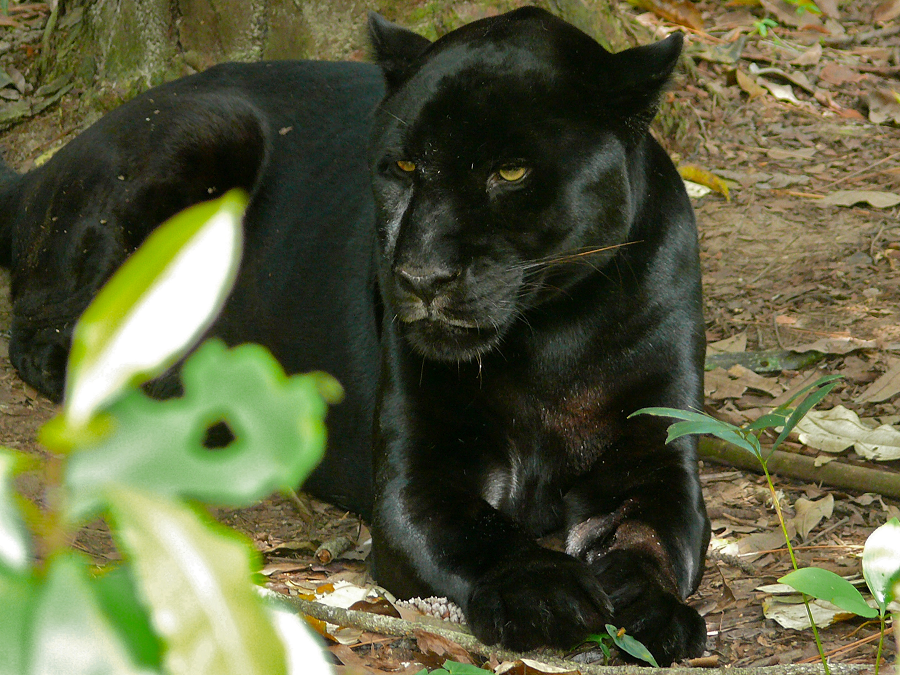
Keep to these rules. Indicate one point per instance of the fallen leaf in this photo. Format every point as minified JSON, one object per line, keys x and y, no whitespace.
{"x":719,"y":385}
{"x":754,"y":545}
{"x":787,"y":14}
{"x":782,"y":92}
{"x":885,"y":387}
{"x":829,"y":8}
{"x":379,"y":606}
{"x":837,"y":74}
{"x":682,"y":12}
{"x":702,"y":176}
{"x":751,"y":380}
{"x":695,"y":190}
{"x":810,"y":57}
{"x":811,"y":513}
{"x":837,"y":429}
{"x":790,"y":612}
{"x":530,"y":667}
{"x":835,"y":345}
{"x":735,"y":343}
{"x":884,"y":105}
{"x":880,"y":199}
{"x":441,"y":646}
{"x":781,"y":153}
{"x":886,"y":11}
{"x":748,"y":84}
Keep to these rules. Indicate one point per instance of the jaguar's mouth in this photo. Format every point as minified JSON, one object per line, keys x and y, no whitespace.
{"x":445,"y":338}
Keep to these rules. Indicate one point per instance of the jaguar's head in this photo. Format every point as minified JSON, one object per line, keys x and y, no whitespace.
{"x":500,"y":160}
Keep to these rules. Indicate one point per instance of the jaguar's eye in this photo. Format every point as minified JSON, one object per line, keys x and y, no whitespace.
{"x":405,"y":166}
{"x":512,"y":174}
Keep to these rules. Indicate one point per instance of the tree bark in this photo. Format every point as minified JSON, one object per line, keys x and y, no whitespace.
{"x":133,"y":44}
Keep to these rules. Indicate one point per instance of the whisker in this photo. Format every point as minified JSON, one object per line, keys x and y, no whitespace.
{"x":575,"y":256}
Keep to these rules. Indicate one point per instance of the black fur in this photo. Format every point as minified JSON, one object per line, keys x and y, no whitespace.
{"x":536,"y":258}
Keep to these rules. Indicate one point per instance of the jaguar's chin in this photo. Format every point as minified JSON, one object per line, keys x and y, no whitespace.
{"x":455,"y":341}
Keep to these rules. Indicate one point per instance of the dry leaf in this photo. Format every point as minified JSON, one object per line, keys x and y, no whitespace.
{"x":695,"y":174}
{"x":736,"y":343}
{"x":682,"y":12}
{"x":877,"y":198}
{"x":885,"y":387}
{"x":782,"y":92}
{"x":835,"y":345}
{"x":379,"y":606}
{"x":837,"y":74}
{"x":751,"y":380}
{"x":786,"y":14}
{"x":829,"y":8}
{"x":790,"y":612}
{"x":718,"y":385}
{"x":884,"y":106}
{"x":811,"y":513}
{"x":886,"y":11}
{"x":441,"y":646}
{"x":810,"y":57}
{"x":754,"y":545}
{"x":748,"y":84}
{"x":837,"y":429}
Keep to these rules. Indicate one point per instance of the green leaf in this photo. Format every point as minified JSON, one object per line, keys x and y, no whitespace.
{"x":701,"y":423}
{"x":278,"y":422}
{"x":723,"y":430}
{"x":18,"y":595}
{"x":881,"y":562}
{"x":454,"y":668}
{"x":815,"y":385}
{"x":827,"y":384}
{"x":631,"y":646}
{"x":194,"y":578}
{"x":15,"y":547}
{"x":826,"y":585}
{"x":118,"y":596}
{"x":677,"y":413}
{"x":601,"y":641}
{"x":71,"y":635}
{"x":768,"y":421}
{"x":156,"y":305}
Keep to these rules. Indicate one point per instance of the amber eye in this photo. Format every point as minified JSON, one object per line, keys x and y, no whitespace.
{"x":512,"y":174}
{"x":405,"y":166}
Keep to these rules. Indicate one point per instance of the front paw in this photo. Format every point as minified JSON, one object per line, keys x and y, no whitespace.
{"x":542,"y":598}
{"x":669,"y":628}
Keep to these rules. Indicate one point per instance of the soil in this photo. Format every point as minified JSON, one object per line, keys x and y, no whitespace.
{"x":782,"y":267}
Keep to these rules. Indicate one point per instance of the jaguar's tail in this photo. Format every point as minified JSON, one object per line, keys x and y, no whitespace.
{"x":8,"y":184}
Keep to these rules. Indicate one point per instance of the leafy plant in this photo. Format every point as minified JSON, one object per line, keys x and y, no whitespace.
{"x":182,"y":601}
{"x":747,"y":438}
{"x":804,"y":6}
{"x":623,"y":641}
{"x":762,"y":26}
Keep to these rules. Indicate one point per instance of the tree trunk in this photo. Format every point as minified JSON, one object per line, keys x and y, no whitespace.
{"x":129,"y":45}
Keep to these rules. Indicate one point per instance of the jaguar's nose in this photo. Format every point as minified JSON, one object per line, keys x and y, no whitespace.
{"x":426,"y":283}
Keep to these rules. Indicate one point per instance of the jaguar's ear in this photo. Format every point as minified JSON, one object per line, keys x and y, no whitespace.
{"x":641,"y":73}
{"x":395,"y":47}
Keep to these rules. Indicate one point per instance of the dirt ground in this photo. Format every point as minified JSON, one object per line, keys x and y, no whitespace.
{"x":801,"y":124}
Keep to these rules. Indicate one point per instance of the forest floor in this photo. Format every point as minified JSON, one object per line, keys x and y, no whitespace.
{"x":797,"y":112}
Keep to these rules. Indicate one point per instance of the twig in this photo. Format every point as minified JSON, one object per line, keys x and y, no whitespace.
{"x":851,"y":646}
{"x":792,"y":465}
{"x":868,"y":168}
{"x":388,"y":625}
